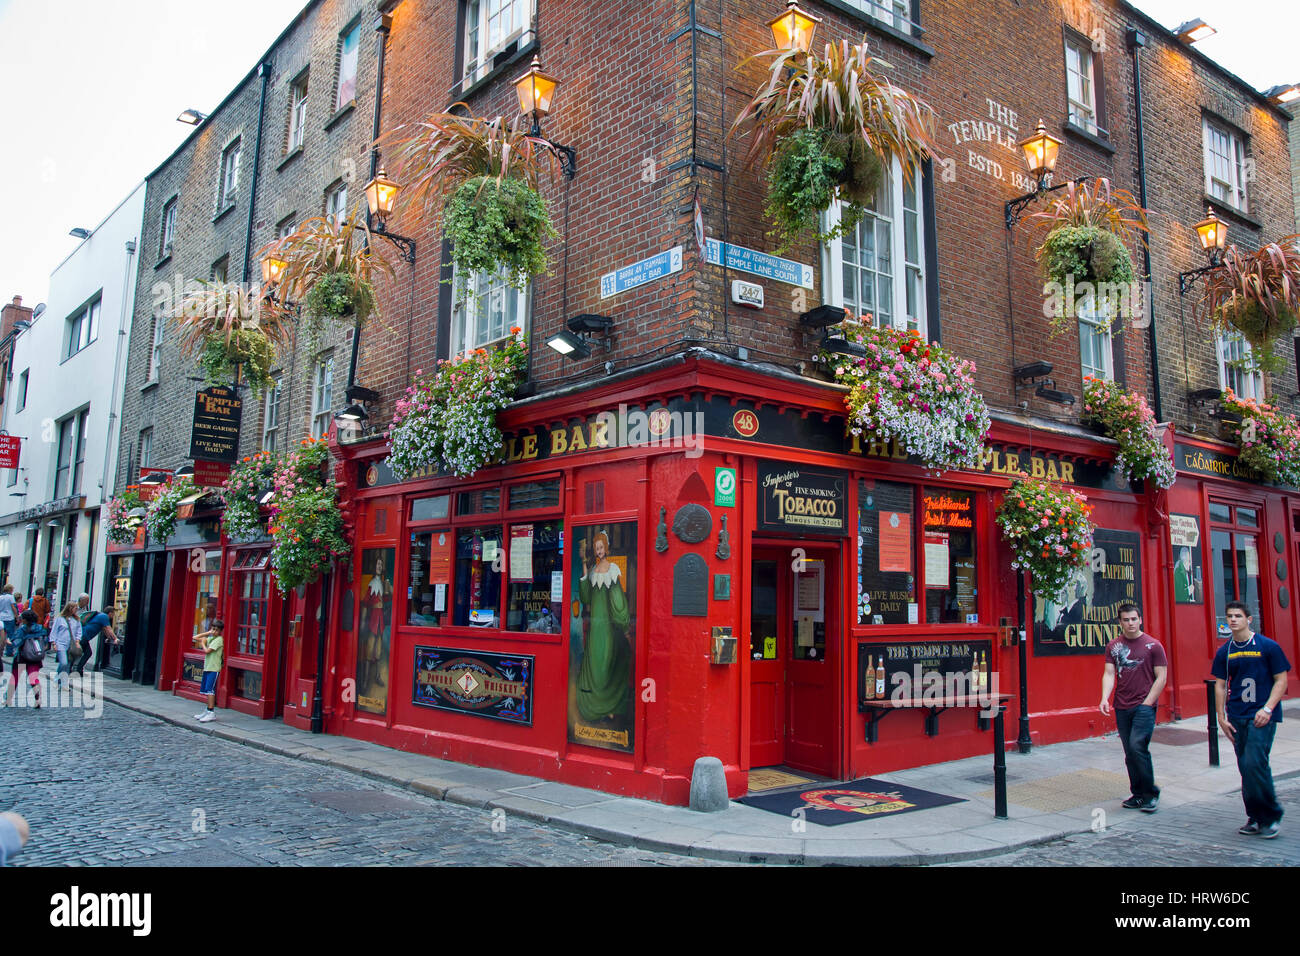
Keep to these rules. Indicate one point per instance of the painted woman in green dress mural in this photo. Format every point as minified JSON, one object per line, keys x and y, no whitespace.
{"x":604,"y":679}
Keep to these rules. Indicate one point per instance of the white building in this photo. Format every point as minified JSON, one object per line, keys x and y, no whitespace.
{"x":64,"y":401}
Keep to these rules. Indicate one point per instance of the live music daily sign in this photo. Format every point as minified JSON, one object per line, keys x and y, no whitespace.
{"x":215,"y":433}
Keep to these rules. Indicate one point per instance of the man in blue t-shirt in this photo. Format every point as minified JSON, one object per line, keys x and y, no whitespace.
{"x":1250,"y":676}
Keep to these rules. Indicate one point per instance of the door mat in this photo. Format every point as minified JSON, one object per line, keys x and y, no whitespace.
{"x":1179,"y":736}
{"x":770,"y":779}
{"x":864,"y":799}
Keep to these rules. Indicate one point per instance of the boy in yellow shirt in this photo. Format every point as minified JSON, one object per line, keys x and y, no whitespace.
{"x":212,"y":645}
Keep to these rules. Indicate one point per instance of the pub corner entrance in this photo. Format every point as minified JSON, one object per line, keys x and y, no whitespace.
{"x":795,"y":651}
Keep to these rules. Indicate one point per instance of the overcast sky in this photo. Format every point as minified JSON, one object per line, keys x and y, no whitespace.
{"x":90,"y":89}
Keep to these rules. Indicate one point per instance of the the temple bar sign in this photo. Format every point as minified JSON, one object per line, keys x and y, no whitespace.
{"x":214,"y":436}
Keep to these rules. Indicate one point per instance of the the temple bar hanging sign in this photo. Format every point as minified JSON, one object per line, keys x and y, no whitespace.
{"x":214,"y":436}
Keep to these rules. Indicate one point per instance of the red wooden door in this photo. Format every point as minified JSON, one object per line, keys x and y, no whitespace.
{"x":794,"y":660}
{"x":812,"y":698}
{"x":768,"y":638}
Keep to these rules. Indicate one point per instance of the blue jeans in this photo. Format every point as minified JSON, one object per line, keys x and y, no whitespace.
{"x":64,"y":666}
{"x":1252,"y":745}
{"x":1135,"y":729}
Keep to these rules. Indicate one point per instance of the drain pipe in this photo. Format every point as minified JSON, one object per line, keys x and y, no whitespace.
{"x":264,"y":71}
{"x":1135,"y":40}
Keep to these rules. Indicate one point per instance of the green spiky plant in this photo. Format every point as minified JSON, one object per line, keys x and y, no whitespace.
{"x":231,"y":329}
{"x":824,"y":125}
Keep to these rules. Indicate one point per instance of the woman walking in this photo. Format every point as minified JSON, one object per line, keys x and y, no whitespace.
{"x":29,"y":653}
{"x":65,"y":633}
{"x":8,"y":611}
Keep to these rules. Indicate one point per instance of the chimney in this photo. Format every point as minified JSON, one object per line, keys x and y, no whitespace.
{"x":11,"y":313}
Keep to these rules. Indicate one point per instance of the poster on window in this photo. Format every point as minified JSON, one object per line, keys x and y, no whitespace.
{"x":1185,"y":536}
{"x":1084,"y":617}
{"x":374,"y":631}
{"x":602,"y":636}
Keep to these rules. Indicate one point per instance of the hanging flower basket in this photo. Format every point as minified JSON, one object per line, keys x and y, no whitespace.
{"x":826,"y":124}
{"x":230,"y":328}
{"x":915,"y":392}
{"x":498,"y":224}
{"x":1049,"y":528}
{"x":243,"y":489}
{"x":249,"y":351}
{"x":1268,"y":437}
{"x":305,"y":523}
{"x":121,"y":524}
{"x":1257,"y":294}
{"x":1085,"y":237}
{"x":340,"y":296}
{"x":448,"y":420}
{"x":1126,"y":417}
{"x":161,"y":515}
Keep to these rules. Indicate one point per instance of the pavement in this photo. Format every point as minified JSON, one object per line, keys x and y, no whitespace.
{"x":1054,"y":792}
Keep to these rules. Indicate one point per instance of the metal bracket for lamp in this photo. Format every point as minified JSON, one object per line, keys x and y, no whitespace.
{"x":1015,"y":208}
{"x":1187,"y":279}
{"x":404,"y":243}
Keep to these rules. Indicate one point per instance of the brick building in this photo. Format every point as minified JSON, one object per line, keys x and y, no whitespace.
{"x":286,"y":144}
{"x":607,"y":664}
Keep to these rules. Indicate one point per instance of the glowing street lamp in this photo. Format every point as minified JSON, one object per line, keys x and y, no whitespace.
{"x":381,"y":194}
{"x":1040,"y":149}
{"x":1213,"y":233}
{"x":536,"y":90}
{"x":794,"y":29}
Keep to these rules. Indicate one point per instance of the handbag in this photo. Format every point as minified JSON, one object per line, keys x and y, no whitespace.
{"x":74,"y":649}
{"x":32,"y":651}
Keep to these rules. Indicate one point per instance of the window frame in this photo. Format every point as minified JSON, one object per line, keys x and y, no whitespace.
{"x":271,"y":422}
{"x":298,"y":89}
{"x":1102,"y":329}
{"x":1084,"y":115}
{"x":1237,"y":197}
{"x":336,"y":202}
{"x":1223,"y":341}
{"x":477,"y":16}
{"x":324,"y":363}
{"x":145,"y":448}
{"x":462,"y":337}
{"x":23,"y":379}
{"x":457,"y":521}
{"x":74,"y":427}
{"x":832,"y":253}
{"x":155,"y":348}
{"x":892,"y":14}
{"x":80,"y":335}
{"x":342,"y":61}
{"x":228,"y":180}
{"x":167,"y":234}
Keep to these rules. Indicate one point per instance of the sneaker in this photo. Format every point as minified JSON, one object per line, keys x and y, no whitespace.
{"x":1150,"y":804}
{"x":199,"y":715}
{"x":207,"y":716}
{"x":1133,"y":803}
{"x":1271,"y":831}
{"x":1250,"y":829}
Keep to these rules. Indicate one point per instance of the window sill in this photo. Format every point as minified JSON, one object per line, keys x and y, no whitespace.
{"x":294,"y":154}
{"x":1232,"y":212}
{"x":1094,"y":139}
{"x":342,"y":113}
{"x":163,"y":261}
{"x":500,"y":63}
{"x":152,"y":383}
{"x":224,"y":212}
{"x":880,"y":26}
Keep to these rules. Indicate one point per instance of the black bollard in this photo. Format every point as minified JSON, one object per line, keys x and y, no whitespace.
{"x":1000,"y":765}
{"x":1211,"y":723}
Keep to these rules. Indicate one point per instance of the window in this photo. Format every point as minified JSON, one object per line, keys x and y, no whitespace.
{"x":878,"y":266}
{"x":22,"y":389}
{"x":1095,"y":352}
{"x":336,"y":203}
{"x":220,"y":268}
{"x":1235,"y":560}
{"x":349,"y":45}
{"x":207,"y":596}
{"x":322,"y":397}
{"x":1236,"y":367}
{"x":254,"y":590}
{"x":82,"y":329}
{"x":297,"y":111}
{"x":11,"y":478}
{"x":897,"y":553}
{"x":490,"y":27}
{"x":229,"y":176}
{"x":1080,"y":84}
{"x":285,"y":227}
{"x":70,"y":454}
{"x":479,"y":568}
{"x":168,"y":229}
{"x":271,"y":417}
{"x":1225,"y":164}
{"x":155,"y":350}
{"x":892,"y":13}
{"x":485,"y":311}
{"x":146,"y":448}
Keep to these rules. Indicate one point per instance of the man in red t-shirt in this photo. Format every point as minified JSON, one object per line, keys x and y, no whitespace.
{"x":1136,"y":668}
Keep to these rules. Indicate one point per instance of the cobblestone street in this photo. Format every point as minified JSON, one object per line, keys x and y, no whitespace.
{"x":126,"y":790}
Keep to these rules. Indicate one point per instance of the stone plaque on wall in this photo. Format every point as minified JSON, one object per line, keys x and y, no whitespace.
{"x":690,"y":587}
